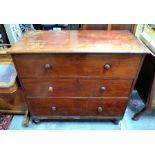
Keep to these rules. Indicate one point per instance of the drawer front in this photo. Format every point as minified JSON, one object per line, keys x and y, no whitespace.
{"x":76,"y":88}
{"x":73,"y":65}
{"x":77,"y":107}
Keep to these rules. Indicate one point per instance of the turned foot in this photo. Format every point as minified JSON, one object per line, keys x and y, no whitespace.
{"x":36,"y":121}
{"x":134,"y":118}
{"x":116,"y":121}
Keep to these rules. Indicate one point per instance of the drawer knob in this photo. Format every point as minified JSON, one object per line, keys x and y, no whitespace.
{"x":99,"y":109}
{"x":50,"y":89}
{"x":53,"y":108}
{"x":103,"y":88}
{"x":48,"y":66}
{"x":107,"y":66}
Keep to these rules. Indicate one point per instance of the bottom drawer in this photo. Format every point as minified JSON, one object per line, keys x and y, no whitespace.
{"x":59,"y":107}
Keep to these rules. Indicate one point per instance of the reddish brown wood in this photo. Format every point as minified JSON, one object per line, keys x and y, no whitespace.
{"x":84,"y":41}
{"x":78,"y":74}
{"x":75,"y":65}
{"x":77,"y":107}
{"x":76,"y":88}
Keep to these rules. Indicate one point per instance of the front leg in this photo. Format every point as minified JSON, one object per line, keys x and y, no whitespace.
{"x":116,"y":121}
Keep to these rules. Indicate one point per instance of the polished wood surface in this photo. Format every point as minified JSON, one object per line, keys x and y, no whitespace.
{"x":77,"y":107}
{"x":76,"y":88}
{"x":78,"y":74}
{"x":75,"y":65}
{"x":83,"y":41}
{"x":43,"y":83}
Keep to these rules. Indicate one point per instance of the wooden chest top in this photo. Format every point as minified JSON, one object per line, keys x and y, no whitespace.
{"x":84,"y":41}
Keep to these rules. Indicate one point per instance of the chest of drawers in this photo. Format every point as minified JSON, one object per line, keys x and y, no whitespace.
{"x":77,"y":74}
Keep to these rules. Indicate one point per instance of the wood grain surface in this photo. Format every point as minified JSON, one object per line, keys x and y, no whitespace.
{"x":87,"y":41}
{"x":76,"y":88}
{"x":75,"y":65}
{"x":77,"y":107}
{"x":78,"y":74}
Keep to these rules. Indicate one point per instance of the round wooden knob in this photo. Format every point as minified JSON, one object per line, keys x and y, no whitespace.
{"x":103,"y":88}
{"x":48,"y":66}
{"x":107,"y":66}
{"x":50,"y":89}
{"x":99,"y":109}
{"x":53,"y":108}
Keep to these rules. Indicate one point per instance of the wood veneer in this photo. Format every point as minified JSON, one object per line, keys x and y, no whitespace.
{"x":76,"y":87}
{"x":78,"y":74}
{"x":77,"y":65}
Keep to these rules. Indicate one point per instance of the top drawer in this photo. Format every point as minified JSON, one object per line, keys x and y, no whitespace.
{"x":73,"y":65}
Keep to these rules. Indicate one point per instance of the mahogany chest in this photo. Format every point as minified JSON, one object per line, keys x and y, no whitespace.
{"x":77,"y":74}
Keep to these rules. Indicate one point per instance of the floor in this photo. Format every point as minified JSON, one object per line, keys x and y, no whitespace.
{"x":146,"y":122}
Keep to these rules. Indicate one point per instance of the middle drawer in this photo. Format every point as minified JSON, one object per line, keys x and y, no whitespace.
{"x":76,"y":88}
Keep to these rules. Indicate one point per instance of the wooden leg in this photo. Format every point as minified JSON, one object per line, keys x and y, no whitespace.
{"x":36,"y":121}
{"x":116,"y":121}
{"x":139,"y":114}
{"x":26,"y":119}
